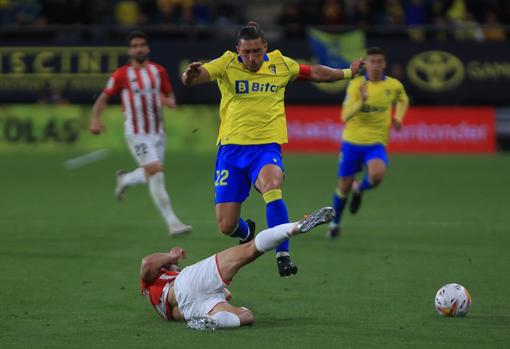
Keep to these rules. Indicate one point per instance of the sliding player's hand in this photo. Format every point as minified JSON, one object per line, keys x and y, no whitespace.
{"x":178,"y":253}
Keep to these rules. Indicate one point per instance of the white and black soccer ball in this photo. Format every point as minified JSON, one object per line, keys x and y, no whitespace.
{"x":453,"y":300}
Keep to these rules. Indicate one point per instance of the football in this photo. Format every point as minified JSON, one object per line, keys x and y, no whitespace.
{"x":453,"y":300}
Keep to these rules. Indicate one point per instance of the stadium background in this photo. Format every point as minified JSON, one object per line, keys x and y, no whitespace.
{"x":70,"y":253}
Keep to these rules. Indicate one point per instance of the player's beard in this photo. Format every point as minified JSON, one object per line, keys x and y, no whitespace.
{"x":140,"y":58}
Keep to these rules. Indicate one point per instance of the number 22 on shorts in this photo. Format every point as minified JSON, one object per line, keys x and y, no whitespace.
{"x":221,"y":178}
{"x":141,"y":149}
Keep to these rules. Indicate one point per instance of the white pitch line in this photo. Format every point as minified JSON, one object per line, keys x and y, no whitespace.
{"x":85,"y":159}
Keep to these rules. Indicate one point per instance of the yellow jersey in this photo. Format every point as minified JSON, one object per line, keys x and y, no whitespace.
{"x":369,"y":122}
{"x":252,"y":108}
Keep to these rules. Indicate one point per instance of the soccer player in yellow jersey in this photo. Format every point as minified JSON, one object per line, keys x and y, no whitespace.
{"x":253,"y":126}
{"x":367,"y":115}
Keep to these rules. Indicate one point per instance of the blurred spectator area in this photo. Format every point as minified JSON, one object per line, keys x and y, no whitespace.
{"x":487,"y":20}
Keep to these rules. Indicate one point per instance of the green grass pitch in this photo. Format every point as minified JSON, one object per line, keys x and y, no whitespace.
{"x":69,"y":256}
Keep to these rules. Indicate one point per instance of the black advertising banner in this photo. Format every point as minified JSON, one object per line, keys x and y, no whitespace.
{"x":433,"y":73}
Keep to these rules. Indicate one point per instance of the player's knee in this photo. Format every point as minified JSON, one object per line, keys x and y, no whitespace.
{"x":153,"y":168}
{"x":376,"y":178}
{"x":226,"y":226}
{"x":344,"y":185}
{"x":246,"y":317}
{"x":273,"y":183}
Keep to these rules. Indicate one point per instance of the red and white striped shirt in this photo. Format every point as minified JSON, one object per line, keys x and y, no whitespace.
{"x":141,"y":90}
{"x":157,"y":292}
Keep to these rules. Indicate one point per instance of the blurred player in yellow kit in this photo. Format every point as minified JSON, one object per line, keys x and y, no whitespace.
{"x":367,"y":116}
{"x":253,"y":126}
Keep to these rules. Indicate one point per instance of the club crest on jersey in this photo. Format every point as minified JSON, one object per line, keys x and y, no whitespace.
{"x":272,"y":68}
{"x":244,"y":87}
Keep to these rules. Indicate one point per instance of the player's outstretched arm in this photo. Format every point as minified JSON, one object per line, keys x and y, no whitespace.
{"x":96,"y":126}
{"x":195,"y":74}
{"x":152,"y":264}
{"x":322,"y":73}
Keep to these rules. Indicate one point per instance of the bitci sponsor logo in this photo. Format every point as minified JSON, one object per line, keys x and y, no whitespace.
{"x":244,"y":87}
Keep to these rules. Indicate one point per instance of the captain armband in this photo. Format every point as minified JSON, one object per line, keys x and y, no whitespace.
{"x":305,"y":72}
{"x":347,"y":73}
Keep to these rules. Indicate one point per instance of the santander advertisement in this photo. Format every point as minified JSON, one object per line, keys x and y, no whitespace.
{"x":425,"y":130}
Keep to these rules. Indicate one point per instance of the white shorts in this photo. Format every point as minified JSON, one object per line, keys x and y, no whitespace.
{"x":147,"y":148}
{"x":198,"y":288}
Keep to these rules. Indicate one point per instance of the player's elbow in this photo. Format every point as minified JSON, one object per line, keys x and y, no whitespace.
{"x":246,"y":317}
{"x":146,"y":266}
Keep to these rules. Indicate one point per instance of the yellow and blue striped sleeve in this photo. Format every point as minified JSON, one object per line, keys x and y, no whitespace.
{"x":217,"y":67}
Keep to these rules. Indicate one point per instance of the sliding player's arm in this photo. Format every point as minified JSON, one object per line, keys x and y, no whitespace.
{"x":322,"y":73}
{"x":401,"y":107}
{"x":152,"y":264}
{"x":355,"y":96}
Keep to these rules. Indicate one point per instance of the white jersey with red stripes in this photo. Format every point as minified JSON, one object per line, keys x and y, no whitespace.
{"x":157,"y":292}
{"x":141,"y":89}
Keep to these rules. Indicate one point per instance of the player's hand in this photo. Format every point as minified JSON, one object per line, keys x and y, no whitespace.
{"x":169,"y":101}
{"x":356,"y":66}
{"x":96,"y":126}
{"x":363,"y":90}
{"x":192,"y":71}
{"x":178,"y":253}
{"x":397,"y":125}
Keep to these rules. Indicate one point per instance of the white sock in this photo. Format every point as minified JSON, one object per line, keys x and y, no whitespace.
{"x":161,"y":199}
{"x":137,"y":176}
{"x":269,"y":239}
{"x":226,"y":319}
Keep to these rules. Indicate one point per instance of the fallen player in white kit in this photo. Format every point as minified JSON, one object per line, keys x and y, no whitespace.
{"x":198,"y":293}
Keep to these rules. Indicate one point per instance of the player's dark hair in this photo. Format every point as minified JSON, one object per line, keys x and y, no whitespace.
{"x":374,"y":50}
{"x":137,"y":34}
{"x":250,"y":31}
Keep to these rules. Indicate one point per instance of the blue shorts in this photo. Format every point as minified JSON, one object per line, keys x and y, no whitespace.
{"x":238,"y":166}
{"x":355,"y":156}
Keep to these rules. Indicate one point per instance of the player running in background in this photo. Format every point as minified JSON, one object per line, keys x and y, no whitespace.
{"x":198,"y":293}
{"x":144,"y":88}
{"x":367,"y":115}
{"x":253,"y":127}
